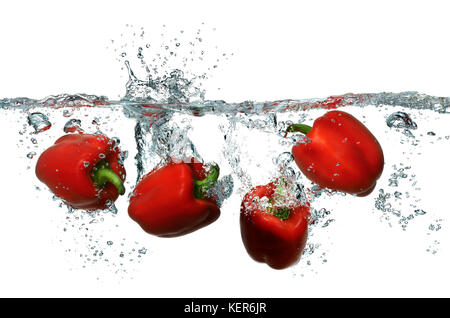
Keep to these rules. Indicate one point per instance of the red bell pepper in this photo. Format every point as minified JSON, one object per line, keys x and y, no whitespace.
{"x":174,"y":200}
{"x":275,"y":235}
{"x":341,"y":154}
{"x":83,"y":170}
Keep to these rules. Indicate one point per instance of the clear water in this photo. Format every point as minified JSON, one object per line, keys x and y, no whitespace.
{"x":165,"y":115}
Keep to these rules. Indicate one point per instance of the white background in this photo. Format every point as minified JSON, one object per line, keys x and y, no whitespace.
{"x":282,"y":49}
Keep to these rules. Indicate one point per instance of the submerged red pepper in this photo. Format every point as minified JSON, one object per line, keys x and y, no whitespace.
{"x":341,"y":154}
{"x":84,"y":170}
{"x":173,"y":200}
{"x":276,"y":237}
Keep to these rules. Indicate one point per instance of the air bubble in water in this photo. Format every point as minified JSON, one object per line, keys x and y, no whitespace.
{"x":419,"y":212}
{"x":72,"y":126}
{"x":223,"y":189}
{"x":400,"y":120}
{"x":123,"y":155}
{"x":96,"y":121}
{"x":408,"y":133}
{"x":39,"y":122}
{"x":68,"y":112}
{"x":327,"y":222}
{"x":284,"y":159}
{"x":142,"y":250}
{"x":115,"y":141}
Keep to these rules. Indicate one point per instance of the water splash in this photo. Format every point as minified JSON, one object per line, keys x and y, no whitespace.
{"x":171,"y":89}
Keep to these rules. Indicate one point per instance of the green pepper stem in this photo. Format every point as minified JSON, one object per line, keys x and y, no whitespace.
{"x":282,"y":213}
{"x":201,"y":187}
{"x":299,"y":128}
{"x":103,"y":174}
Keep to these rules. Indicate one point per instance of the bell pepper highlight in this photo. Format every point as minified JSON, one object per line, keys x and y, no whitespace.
{"x":175,"y":199}
{"x":83,"y":170}
{"x":275,"y":235}
{"x":340,"y":154}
